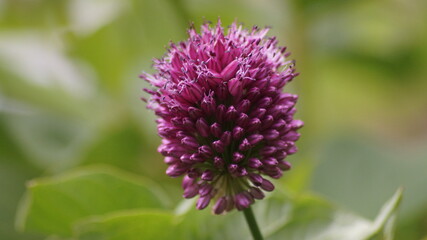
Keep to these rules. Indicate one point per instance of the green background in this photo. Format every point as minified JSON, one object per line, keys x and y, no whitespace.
{"x":69,"y":94}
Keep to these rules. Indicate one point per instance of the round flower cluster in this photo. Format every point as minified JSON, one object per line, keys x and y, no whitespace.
{"x":224,"y":121}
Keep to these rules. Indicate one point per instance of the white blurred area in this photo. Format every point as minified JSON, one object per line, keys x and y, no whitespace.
{"x":34,"y":58}
{"x":88,"y":16}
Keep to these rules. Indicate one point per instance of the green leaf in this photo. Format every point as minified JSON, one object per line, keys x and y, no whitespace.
{"x":373,"y":171}
{"x":130,"y":225}
{"x":51,"y":142}
{"x":99,"y":203}
{"x":313,"y":218}
{"x":384,"y":224}
{"x":286,"y":216}
{"x":53,"y":205}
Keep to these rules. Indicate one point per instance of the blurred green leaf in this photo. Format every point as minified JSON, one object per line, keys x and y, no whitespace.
{"x":52,"y":205}
{"x":99,"y":203}
{"x":53,"y":99}
{"x":384,"y":224}
{"x":373,"y":171}
{"x":15,"y":170}
{"x":50,"y":142}
{"x":283,"y":216}
{"x":316,"y":219}
{"x":130,"y":226}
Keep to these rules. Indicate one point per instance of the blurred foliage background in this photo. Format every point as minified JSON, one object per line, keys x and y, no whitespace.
{"x":69,"y":93}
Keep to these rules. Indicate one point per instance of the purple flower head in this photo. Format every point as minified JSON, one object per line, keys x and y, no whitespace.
{"x":224,"y":121}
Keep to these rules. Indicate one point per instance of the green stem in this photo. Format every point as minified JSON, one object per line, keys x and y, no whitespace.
{"x":253,"y":226}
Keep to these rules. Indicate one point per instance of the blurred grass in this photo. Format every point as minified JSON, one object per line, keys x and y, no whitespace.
{"x":69,"y":93}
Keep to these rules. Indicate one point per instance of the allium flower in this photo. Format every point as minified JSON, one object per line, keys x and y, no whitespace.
{"x":224,"y":121}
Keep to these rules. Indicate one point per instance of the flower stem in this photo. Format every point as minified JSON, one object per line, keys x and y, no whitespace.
{"x":253,"y":226}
